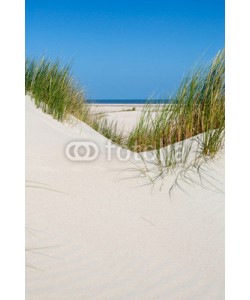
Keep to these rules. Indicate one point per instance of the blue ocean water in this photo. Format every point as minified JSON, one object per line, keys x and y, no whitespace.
{"x":127,"y":101}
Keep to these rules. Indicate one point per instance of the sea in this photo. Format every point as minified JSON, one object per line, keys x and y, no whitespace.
{"x":128,"y":101}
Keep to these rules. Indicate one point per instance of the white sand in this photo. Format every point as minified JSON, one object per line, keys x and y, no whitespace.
{"x":123,"y":114}
{"x":90,"y":235}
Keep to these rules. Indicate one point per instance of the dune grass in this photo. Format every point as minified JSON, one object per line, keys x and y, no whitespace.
{"x":196,"y":113}
{"x":188,"y":132}
{"x":55,"y":91}
{"x":199,"y":107}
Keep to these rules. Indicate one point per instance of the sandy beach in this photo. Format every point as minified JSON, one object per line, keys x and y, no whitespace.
{"x":95,"y":232}
{"x":126,"y":115}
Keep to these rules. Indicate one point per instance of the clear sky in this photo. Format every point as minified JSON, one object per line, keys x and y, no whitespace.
{"x":130,"y":49}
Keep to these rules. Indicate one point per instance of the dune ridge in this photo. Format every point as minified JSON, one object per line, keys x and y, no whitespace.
{"x":91,"y":235}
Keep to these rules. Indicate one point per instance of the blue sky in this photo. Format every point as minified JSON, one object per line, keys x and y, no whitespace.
{"x":126,"y":49}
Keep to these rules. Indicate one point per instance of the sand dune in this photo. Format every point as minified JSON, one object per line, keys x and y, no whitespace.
{"x":92,"y":232}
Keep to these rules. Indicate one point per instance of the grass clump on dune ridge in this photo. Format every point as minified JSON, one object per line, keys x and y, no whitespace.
{"x":56,"y":92}
{"x":188,"y":133}
{"x":199,"y":107}
{"x":54,"y":89}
